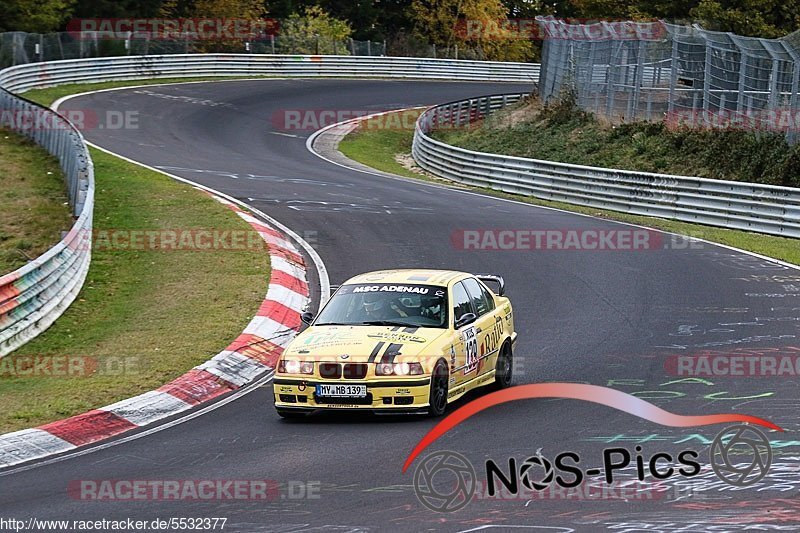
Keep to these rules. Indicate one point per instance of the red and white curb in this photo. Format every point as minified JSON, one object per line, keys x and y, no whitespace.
{"x":253,"y":353}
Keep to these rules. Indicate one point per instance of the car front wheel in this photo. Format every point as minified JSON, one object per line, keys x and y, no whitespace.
{"x":504,"y":368}
{"x":438,"y":392}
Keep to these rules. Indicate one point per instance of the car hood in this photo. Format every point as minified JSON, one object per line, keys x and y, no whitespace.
{"x":359,"y":343}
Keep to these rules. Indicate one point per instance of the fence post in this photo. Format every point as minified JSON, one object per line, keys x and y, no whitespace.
{"x":742,"y":71}
{"x":673,"y":75}
{"x":272,"y":43}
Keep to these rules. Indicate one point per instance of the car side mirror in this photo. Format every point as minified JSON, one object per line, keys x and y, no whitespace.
{"x":468,"y":318}
{"x":307,"y":318}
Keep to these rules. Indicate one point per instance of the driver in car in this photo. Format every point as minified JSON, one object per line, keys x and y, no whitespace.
{"x":431,"y":308}
{"x":375,"y":307}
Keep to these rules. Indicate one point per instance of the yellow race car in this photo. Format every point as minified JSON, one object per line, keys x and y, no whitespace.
{"x":399,"y":341}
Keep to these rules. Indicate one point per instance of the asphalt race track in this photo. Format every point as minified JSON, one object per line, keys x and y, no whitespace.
{"x":607,"y":317}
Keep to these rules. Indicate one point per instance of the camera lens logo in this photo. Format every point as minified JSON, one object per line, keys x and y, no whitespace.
{"x":741,"y":455}
{"x":444,"y":481}
{"x":525,"y":472}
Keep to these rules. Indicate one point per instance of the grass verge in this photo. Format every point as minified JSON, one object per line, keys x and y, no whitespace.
{"x":381,"y":149}
{"x":33,"y":201}
{"x":144,"y":316}
{"x":560,"y":131}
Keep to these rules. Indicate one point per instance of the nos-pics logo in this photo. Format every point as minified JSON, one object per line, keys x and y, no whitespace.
{"x":446,"y":481}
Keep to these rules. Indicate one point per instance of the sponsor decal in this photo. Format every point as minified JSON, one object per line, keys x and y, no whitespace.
{"x":416,"y":289}
{"x":470,"y":350}
{"x":397,"y":337}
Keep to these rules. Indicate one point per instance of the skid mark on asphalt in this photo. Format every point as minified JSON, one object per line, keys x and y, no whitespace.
{"x":319,"y":205}
{"x":259,"y":177}
{"x":185,"y":99}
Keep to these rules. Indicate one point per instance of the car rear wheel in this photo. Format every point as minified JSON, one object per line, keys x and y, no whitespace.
{"x":438,"y":393}
{"x":504,"y":368}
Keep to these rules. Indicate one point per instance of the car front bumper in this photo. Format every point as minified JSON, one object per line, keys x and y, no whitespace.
{"x":408,"y":394}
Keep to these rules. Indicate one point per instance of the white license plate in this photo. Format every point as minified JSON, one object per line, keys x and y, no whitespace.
{"x":342,"y":391}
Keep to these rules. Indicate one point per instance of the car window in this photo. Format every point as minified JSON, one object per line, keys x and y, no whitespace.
{"x":394,"y":304}
{"x":462,"y":303}
{"x":482,"y":301}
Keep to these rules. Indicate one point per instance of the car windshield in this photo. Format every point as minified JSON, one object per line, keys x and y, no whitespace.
{"x":395,"y":304}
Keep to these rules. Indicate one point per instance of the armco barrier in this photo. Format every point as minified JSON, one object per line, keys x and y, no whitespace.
{"x":728,"y":204}
{"x":33,"y":297}
{"x":35,"y":75}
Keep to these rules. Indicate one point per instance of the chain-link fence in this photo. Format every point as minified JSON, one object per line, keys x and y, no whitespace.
{"x":686,"y":75}
{"x":17,"y":48}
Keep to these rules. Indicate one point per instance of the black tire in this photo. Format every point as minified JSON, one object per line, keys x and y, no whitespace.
{"x":504,"y":368}
{"x":437,"y":397}
{"x":290,"y":413}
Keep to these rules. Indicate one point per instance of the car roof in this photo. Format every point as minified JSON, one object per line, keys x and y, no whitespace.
{"x":416,"y":276}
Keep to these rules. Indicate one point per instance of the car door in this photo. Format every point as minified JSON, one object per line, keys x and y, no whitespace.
{"x":464,"y":350}
{"x":488,"y":326}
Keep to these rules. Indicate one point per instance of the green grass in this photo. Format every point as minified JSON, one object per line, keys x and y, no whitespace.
{"x":33,"y":201}
{"x":562,"y":132}
{"x":380,"y":148}
{"x":154,"y":313}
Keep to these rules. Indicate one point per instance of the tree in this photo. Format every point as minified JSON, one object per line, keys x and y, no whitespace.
{"x":478,"y":24}
{"x":247,"y":10}
{"x":757,"y":18}
{"x":215,"y":9}
{"x":314,"y":32}
{"x":35,"y":16}
{"x":117,"y":8}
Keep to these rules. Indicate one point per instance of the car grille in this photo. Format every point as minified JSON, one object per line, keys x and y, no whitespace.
{"x":355,"y":371}
{"x":347,"y":371}
{"x":330,"y":370}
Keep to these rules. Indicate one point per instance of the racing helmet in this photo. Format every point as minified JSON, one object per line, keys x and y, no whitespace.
{"x":432,"y":305}
{"x":373,"y":302}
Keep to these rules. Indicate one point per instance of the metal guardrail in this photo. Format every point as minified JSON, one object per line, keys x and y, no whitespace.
{"x":728,"y":204}
{"x":36,"y":75}
{"x":32,"y":297}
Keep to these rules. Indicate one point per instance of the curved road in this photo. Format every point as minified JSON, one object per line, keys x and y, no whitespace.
{"x":603,"y":317}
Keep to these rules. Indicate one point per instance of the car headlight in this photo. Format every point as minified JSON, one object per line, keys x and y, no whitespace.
{"x":398,"y":369}
{"x":296,"y":367}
